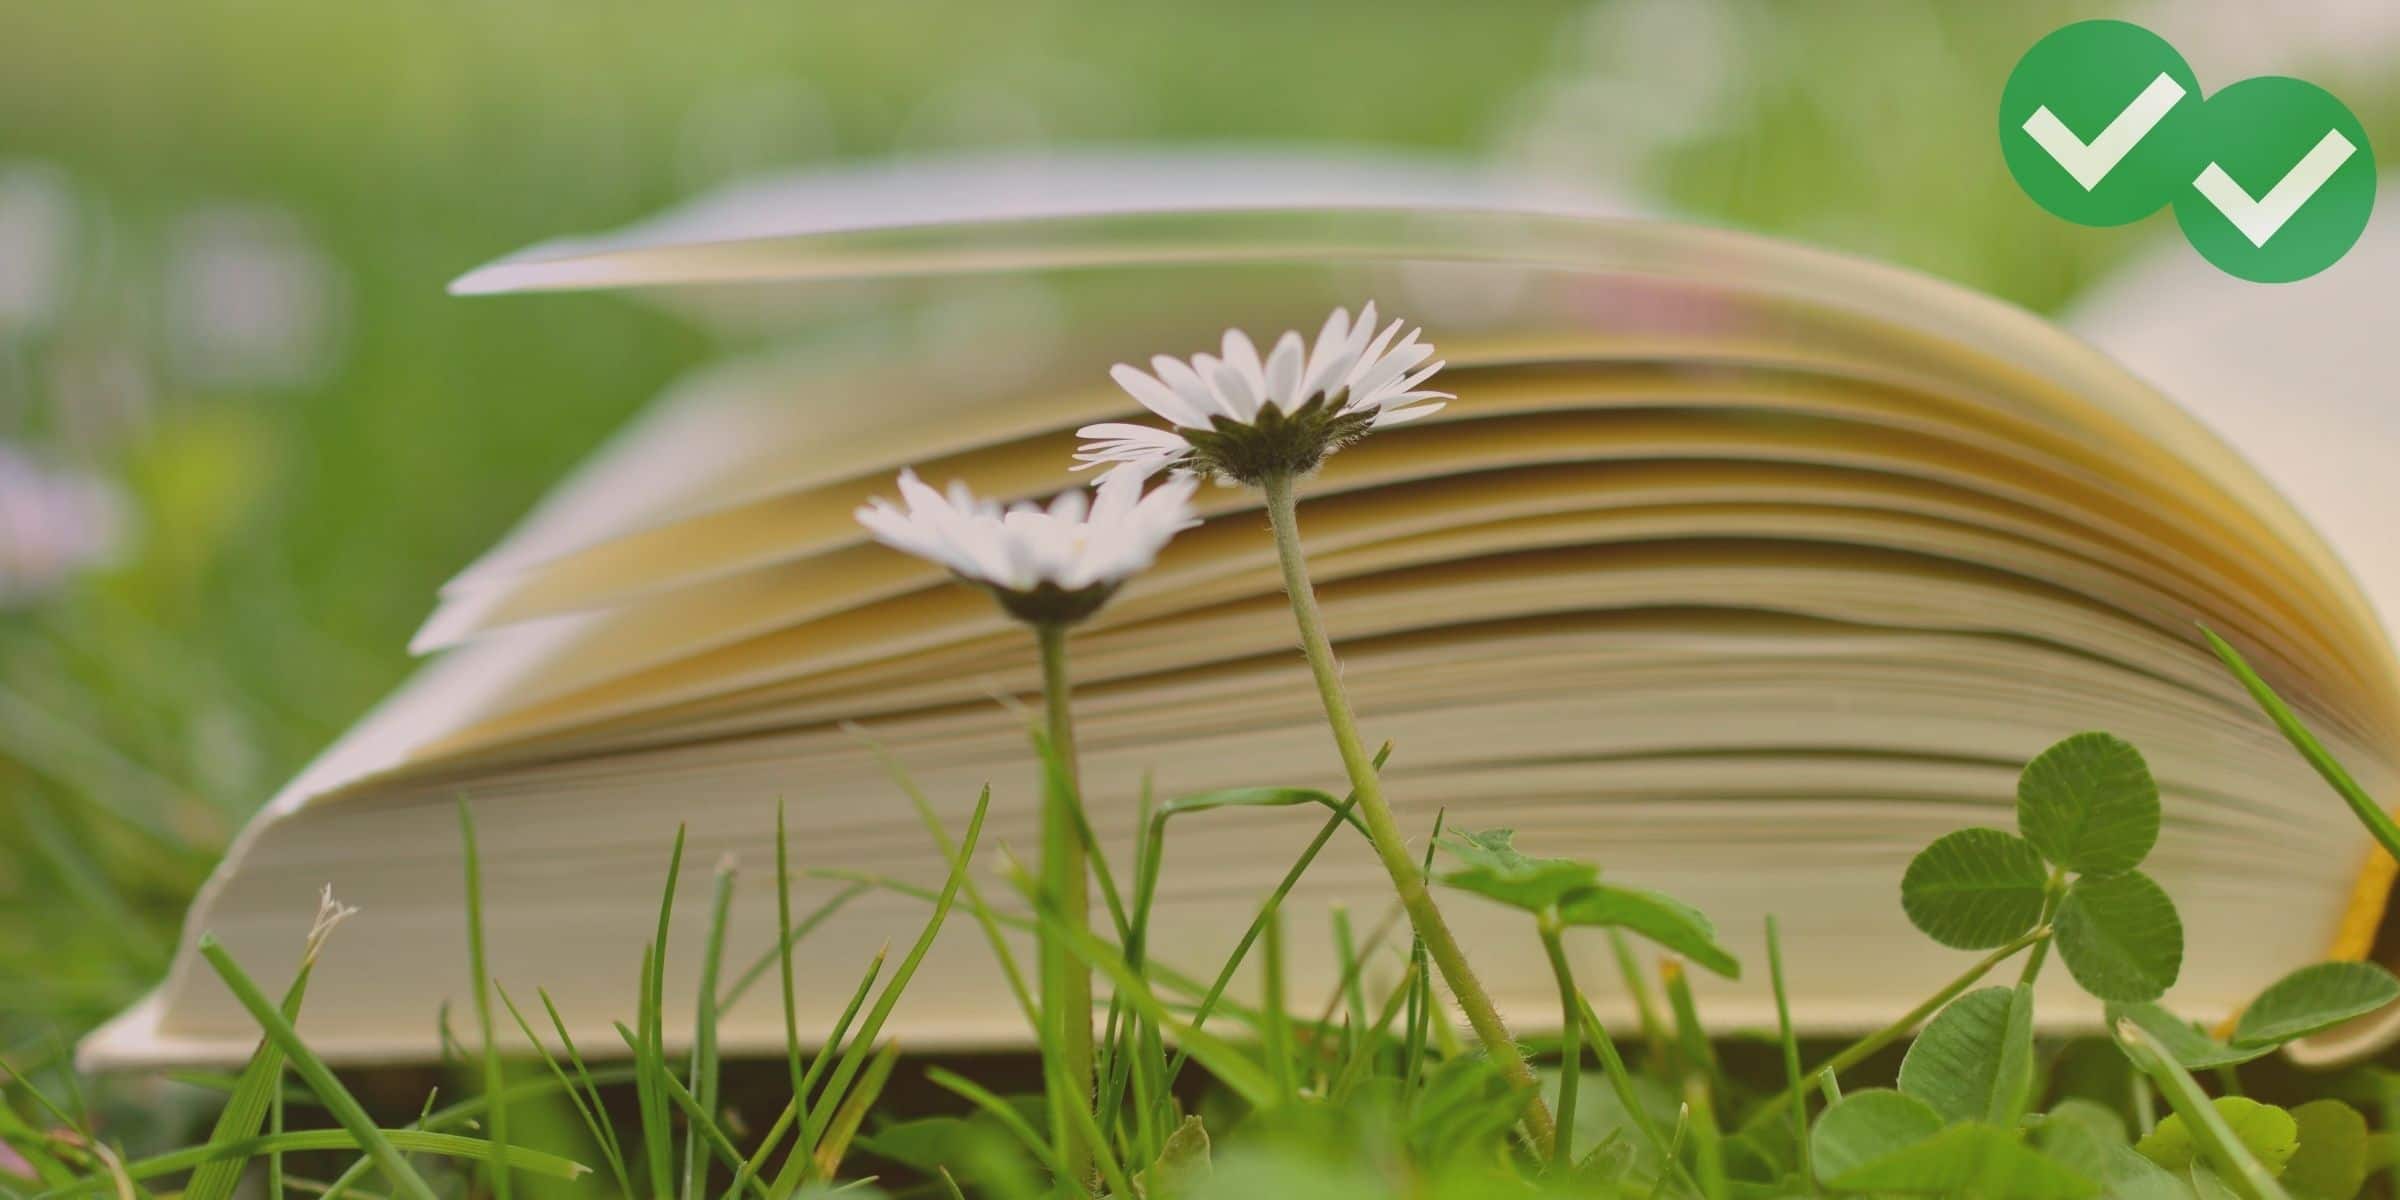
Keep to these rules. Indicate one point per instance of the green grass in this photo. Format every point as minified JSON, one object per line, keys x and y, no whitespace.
{"x":1298,"y":1094}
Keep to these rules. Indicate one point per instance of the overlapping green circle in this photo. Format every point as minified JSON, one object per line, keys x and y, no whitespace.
{"x":2252,"y":138}
{"x":2086,"y":74}
{"x":2258,"y":131}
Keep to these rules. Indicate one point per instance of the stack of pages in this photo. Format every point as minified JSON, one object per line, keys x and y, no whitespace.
{"x":1741,"y":568}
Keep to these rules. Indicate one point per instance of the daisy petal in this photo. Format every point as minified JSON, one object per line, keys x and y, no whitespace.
{"x":1283,"y":372}
{"x":1155,"y":396}
{"x":1078,"y":541}
{"x":1402,"y":416}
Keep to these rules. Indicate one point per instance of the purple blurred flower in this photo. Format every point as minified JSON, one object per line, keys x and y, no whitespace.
{"x":54,"y":524}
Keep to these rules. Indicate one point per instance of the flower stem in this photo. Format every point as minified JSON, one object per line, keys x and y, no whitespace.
{"x":1067,"y":982}
{"x":1384,"y":829}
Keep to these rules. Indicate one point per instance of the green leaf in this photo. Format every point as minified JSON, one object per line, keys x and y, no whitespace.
{"x":2267,"y":1132}
{"x":2120,"y":937}
{"x":2089,"y":805}
{"x":1495,"y":869}
{"x":2314,"y":998}
{"x":2179,"y":1038}
{"x":2098,"y":1119}
{"x":1183,"y":1161}
{"x":1868,"y":1126}
{"x":2076,"y":1146}
{"x":2012,"y":1080}
{"x":2129,"y":1176}
{"x":1953,"y":1063}
{"x":2088,"y":1138}
{"x":1669,"y":922}
{"x":1975,"y":889}
{"x":2383,"y":1150}
{"x":1979,"y":1160}
{"x":2332,"y":1161}
{"x":2208,"y":1185}
{"x":924,"y":1143}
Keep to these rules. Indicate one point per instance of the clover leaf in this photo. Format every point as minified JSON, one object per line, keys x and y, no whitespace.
{"x":2312,"y":999}
{"x":1975,"y":889}
{"x":2120,"y":937}
{"x":2089,"y":805}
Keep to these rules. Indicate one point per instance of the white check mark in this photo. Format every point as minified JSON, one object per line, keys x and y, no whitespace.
{"x":2090,"y":164}
{"x":2260,"y":219}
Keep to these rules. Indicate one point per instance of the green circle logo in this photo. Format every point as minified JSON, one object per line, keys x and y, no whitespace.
{"x":2288,"y":184}
{"x":2098,"y":122}
{"x":2271,"y":179}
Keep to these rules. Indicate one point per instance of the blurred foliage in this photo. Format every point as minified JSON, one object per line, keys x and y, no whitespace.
{"x":292,"y":527}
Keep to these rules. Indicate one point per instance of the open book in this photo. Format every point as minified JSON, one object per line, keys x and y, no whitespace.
{"x":1742,"y":568}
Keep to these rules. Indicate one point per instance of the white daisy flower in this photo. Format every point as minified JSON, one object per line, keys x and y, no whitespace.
{"x":1242,"y":417}
{"x":1046,"y":565}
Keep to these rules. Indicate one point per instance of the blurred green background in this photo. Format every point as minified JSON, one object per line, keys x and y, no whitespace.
{"x":244,"y":435}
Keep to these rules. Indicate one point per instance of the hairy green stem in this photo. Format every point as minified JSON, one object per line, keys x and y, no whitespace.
{"x":1068,"y":982}
{"x":1384,"y":829}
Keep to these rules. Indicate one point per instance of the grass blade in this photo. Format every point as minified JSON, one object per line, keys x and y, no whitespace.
{"x":853,"y":1112}
{"x":258,"y":1089}
{"x":783,"y":947}
{"x":275,"y":1189}
{"x":1420,"y":1001}
{"x":796,"y":1109}
{"x":649,"y":1054}
{"x":789,"y":939}
{"x":982,"y":912}
{"x":462,"y":1114}
{"x":1166,"y":976}
{"x":1370,"y":1046}
{"x":1612,"y":1065}
{"x":999,"y":1110}
{"x":2363,"y":806}
{"x":1645,"y":1007}
{"x":590,"y":1079}
{"x":1241,"y":950}
{"x":446,"y":1145}
{"x":1691,"y":1037}
{"x":1277,"y":1030}
{"x":312,"y":1071}
{"x":1247,"y":1079}
{"x":1791,"y":1054}
{"x":704,"y":1031}
{"x":702,"y":1125}
{"x":595,"y":1121}
{"x":796,"y":1168}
